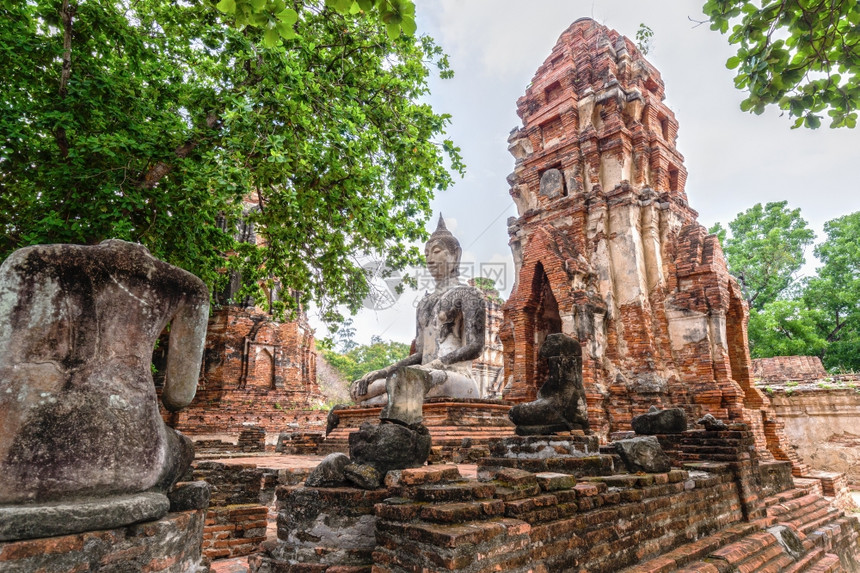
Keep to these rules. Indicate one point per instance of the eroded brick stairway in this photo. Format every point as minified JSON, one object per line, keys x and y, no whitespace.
{"x":762,"y":546}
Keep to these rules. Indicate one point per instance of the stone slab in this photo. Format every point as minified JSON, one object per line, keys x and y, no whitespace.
{"x":51,"y":519}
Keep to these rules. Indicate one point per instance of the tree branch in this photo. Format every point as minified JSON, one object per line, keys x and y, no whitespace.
{"x":157,"y":172}
{"x":697,"y":22}
{"x":66,"y":13}
{"x":833,"y":336}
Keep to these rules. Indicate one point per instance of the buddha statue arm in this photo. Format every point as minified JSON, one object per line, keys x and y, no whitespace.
{"x":186,"y":345}
{"x":359,"y":387}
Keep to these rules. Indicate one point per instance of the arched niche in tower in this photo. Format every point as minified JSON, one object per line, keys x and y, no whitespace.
{"x":264,"y":369}
{"x":547,"y":319}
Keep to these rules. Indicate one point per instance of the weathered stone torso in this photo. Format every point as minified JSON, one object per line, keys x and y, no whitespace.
{"x":440,"y":315}
{"x":80,"y":414}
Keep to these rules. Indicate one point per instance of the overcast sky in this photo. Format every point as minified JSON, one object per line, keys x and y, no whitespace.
{"x":734,"y":159}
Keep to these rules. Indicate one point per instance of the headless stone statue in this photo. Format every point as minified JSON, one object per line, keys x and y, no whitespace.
{"x":450,"y":335}
{"x":560,"y":405}
{"x":80,"y":421}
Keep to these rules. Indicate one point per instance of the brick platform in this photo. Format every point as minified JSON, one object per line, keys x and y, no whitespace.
{"x":710,"y":514}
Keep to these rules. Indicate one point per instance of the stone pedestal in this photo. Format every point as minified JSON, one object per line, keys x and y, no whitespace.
{"x":540,"y":447}
{"x":167,"y":545}
{"x":320,"y":528}
{"x":573,"y":454}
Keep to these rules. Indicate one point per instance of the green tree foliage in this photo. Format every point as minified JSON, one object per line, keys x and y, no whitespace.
{"x":835,"y":292}
{"x":151,"y":121}
{"x":819,"y":316}
{"x":644,"y":39}
{"x":275,"y":18}
{"x":785,"y":328}
{"x":365,"y":358}
{"x":765,"y":249}
{"x":802,"y":55}
{"x":346,"y":336}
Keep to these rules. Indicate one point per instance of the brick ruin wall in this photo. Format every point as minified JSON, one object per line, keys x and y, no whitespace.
{"x":257,"y":373}
{"x":821,"y":412}
{"x":608,"y":250}
{"x":241,"y":505}
{"x":782,"y":369}
{"x":236,"y":520}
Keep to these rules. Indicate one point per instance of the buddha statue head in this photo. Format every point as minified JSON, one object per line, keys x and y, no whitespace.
{"x":443,"y":255}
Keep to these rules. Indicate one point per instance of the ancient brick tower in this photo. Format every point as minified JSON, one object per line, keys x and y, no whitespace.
{"x":608,"y":250}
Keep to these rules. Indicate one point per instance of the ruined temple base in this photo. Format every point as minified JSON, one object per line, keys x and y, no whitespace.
{"x":460,"y":429}
{"x":168,"y":545}
{"x":718,"y":509}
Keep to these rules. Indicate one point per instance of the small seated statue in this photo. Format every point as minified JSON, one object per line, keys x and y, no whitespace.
{"x":450,"y":335}
{"x":560,"y":405}
{"x":80,"y":418}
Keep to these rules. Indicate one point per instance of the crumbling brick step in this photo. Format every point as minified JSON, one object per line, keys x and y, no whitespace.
{"x":502,"y":542}
{"x":697,"y":550}
{"x":457,"y":512}
{"x":810,"y":485}
{"x":454,"y":492}
{"x":820,"y":518}
{"x":757,"y":553}
{"x":807,"y":513}
{"x":596,"y":465}
{"x":809,"y":560}
{"x":785,"y":496}
{"x":829,"y":564}
{"x":796,"y":508}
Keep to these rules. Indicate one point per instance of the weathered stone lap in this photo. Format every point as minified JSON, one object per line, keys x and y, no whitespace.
{"x":51,"y":519}
{"x":406,"y":389}
{"x":363,"y":476}
{"x":190,"y":495}
{"x":669,"y":421}
{"x":329,"y":472}
{"x":712,"y":424}
{"x":643,"y":454}
{"x":390,"y":446}
{"x":80,"y":413}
